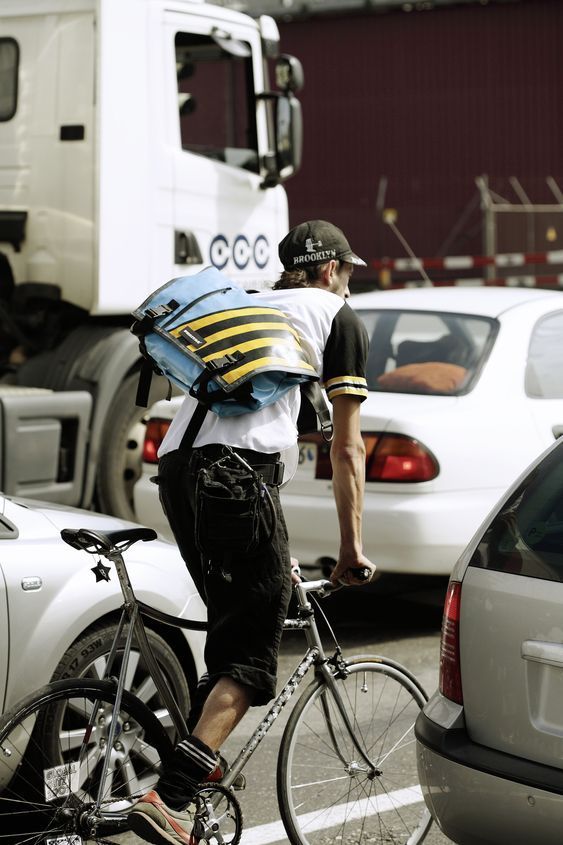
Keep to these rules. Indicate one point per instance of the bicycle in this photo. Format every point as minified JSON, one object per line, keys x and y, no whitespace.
{"x":77,"y":753}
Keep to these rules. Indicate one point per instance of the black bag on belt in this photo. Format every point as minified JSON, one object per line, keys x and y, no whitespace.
{"x":232,"y":501}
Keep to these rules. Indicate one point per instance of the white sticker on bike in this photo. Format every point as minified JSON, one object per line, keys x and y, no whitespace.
{"x":60,"y":782}
{"x":71,"y":839}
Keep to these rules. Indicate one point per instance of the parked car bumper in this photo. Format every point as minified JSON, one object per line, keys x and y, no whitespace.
{"x":403,"y":533}
{"x":510,"y":798}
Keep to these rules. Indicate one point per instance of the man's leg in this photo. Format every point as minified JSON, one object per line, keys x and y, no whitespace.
{"x":224,"y":707}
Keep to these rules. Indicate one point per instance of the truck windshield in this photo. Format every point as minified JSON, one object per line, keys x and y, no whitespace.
{"x":9,"y":56}
{"x":426,"y":351}
{"x":216,"y":101}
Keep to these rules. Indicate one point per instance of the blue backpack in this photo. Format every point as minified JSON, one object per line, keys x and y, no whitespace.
{"x":215,"y":341}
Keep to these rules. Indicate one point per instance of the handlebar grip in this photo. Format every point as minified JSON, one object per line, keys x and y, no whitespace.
{"x":363,"y":574}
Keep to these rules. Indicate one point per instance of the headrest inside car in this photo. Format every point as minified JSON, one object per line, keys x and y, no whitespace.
{"x":430,"y":377}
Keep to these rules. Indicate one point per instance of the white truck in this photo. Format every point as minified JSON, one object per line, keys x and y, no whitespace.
{"x":139,"y":140}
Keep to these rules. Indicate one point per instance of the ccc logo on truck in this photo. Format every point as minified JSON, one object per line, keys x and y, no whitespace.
{"x":242,"y":251}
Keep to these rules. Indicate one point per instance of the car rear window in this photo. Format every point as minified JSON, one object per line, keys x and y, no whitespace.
{"x":526,"y":536}
{"x":426,"y":352}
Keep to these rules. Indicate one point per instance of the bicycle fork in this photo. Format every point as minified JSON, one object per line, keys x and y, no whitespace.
{"x":352,"y":767}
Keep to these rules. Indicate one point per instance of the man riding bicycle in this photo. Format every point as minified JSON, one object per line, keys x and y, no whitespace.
{"x":246,"y":591}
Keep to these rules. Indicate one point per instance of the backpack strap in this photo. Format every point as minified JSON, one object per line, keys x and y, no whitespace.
{"x":193,"y":428}
{"x":313,"y":392}
{"x":144,"y":385}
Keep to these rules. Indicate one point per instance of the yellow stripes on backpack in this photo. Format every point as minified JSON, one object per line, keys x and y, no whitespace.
{"x":258,"y":343}
{"x":260,"y":364}
{"x":222,"y":316}
{"x":263,"y":335}
{"x":237,"y":331}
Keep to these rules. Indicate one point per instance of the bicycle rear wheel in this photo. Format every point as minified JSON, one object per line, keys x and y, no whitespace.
{"x":50,"y":763}
{"x":326,"y":791}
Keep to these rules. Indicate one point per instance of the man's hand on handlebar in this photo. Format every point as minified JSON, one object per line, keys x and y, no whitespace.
{"x":295,"y":571}
{"x":353,"y":571}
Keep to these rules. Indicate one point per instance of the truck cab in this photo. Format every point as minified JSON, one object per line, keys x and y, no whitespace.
{"x":139,"y":141}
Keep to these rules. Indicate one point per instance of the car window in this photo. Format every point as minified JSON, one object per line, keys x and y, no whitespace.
{"x":544,"y":369}
{"x":526,"y":536}
{"x":426,"y":352}
{"x":8,"y":531}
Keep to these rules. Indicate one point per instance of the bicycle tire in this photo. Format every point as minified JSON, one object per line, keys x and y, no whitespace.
{"x":42,"y":735}
{"x":325,"y":791}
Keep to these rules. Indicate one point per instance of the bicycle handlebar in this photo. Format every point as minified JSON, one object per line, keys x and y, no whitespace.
{"x":325,"y":588}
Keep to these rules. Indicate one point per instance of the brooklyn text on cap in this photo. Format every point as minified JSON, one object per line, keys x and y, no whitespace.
{"x":315,"y":242}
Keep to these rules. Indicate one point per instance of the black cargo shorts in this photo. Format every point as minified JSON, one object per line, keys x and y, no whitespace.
{"x":246,"y":610}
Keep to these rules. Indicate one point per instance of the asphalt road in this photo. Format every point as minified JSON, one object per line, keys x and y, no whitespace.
{"x":405,"y":629}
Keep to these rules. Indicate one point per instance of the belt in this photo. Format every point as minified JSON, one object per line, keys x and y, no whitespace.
{"x":268,"y":465}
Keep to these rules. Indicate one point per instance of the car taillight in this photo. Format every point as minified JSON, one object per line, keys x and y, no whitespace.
{"x":450,"y":669}
{"x":396,"y":457}
{"x":389,"y":457}
{"x":154,"y":435}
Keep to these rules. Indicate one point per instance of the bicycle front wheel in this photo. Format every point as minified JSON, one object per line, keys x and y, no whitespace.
{"x":52,"y":746}
{"x":327,"y":791}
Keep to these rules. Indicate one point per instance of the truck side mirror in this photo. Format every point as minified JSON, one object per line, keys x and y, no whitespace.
{"x":289,"y":135}
{"x":289,"y":73}
{"x":285,"y":159}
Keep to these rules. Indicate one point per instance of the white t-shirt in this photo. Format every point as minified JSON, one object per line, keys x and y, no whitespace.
{"x":337,"y":344}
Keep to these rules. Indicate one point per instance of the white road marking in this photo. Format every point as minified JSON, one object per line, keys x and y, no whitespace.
{"x":266,"y":834}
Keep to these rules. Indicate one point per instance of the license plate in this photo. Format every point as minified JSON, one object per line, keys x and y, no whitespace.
{"x":307,"y":460}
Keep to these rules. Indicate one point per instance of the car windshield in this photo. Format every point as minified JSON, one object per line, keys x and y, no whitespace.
{"x":426,"y":351}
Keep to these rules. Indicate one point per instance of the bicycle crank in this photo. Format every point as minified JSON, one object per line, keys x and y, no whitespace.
{"x":218,"y":818}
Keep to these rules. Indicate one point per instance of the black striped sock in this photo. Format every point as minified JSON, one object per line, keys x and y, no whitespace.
{"x":190,"y":764}
{"x":198,"y":754}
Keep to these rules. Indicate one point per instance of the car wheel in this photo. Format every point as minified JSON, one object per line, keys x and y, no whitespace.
{"x":88,"y":658}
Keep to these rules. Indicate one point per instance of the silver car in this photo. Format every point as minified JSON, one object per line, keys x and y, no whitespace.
{"x":490,"y":741}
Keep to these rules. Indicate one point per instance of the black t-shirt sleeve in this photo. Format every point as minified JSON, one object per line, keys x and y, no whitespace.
{"x":345,"y":356}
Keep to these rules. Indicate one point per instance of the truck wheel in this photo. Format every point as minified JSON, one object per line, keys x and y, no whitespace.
{"x":120,"y":459}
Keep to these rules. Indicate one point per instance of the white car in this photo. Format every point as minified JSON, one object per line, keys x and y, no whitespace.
{"x":465,"y":390}
{"x":56,"y":621}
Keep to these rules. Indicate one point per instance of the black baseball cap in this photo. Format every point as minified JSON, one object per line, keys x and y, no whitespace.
{"x":313,"y":243}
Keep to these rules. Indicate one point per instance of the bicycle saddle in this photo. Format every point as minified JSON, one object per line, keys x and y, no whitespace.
{"x":96,"y":542}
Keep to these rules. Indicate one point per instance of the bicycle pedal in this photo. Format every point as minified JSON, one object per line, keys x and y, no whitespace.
{"x":239,"y":782}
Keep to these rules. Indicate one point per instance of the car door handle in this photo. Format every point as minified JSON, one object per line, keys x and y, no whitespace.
{"x":542,"y":652}
{"x":557,"y":431}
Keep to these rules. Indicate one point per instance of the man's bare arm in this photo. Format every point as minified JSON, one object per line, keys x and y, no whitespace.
{"x":348,"y":457}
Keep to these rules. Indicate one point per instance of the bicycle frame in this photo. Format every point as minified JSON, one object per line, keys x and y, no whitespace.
{"x":329,"y":669}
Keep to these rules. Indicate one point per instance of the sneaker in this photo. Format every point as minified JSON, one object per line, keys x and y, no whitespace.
{"x":154,"y":822}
